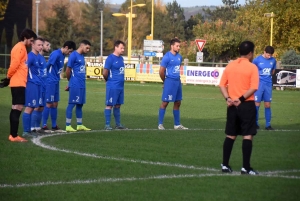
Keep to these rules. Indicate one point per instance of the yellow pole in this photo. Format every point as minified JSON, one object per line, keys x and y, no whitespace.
{"x":152,"y":21}
{"x":271,"y":37}
{"x":130,"y":32}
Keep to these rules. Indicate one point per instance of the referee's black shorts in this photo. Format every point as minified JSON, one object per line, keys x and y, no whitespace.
{"x":18,"y":95}
{"x":241,"y":120}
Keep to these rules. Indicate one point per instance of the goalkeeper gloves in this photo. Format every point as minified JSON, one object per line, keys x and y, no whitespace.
{"x":4,"y":82}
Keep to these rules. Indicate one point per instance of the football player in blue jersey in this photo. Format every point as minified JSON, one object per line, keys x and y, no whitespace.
{"x":32,"y":91}
{"x":266,"y":65}
{"x":55,"y":66}
{"x":113,"y":74}
{"x":77,"y":90}
{"x":169,"y":73}
{"x":36,"y":116}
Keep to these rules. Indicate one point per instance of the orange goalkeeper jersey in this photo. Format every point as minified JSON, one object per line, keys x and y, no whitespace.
{"x":240,"y":75}
{"x":18,"y":69}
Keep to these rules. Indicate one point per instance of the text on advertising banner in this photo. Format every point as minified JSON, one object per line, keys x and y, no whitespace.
{"x":204,"y":75}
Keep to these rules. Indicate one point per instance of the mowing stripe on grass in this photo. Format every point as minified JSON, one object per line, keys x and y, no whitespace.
{"x":37,"y":141}
{"x":112,"y":180}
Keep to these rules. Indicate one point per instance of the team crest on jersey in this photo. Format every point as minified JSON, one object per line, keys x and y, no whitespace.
{"x":122,"y":70}
{"x":82,"y":69}
{"x":271,"y":63}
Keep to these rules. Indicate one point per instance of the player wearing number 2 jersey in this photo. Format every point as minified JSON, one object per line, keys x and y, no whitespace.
{"x":77,"y":91}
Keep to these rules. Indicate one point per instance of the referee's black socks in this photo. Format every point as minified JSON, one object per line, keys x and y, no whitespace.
{"x":227,"y":148}
{"x":247,"y":150}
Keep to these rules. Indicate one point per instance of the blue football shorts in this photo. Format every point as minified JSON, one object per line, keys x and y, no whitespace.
{"x":264,"y":92}
{"x":42,"y":99}
{"x":77,"y":95}
{"x":172,"y":90}
{"x":52,"y":92}
{"x":114,"y":97}
{"x":32,"y":95}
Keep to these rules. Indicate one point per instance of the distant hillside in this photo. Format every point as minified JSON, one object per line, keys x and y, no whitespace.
{"x":188,"y":11}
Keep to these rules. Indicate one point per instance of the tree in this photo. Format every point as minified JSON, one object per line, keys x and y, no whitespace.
{"x":189,"y":26}
{"x":175,"y":21}
{"x":91,"y":28}
{"x":60,"y":28}
{"x":286,"y":34}
{"x":223,"y":39}
{"x":290,"y":58}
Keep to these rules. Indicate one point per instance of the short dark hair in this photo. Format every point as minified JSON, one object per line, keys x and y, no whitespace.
{"x":174,"y":40}
{"x":86,"y":42}
{"x":27,"y":34}
{"x":246,"y":47}
{"x":269,"y":50}
{"x":46,"y":40}
{"x":70,"y":44}
{"x":118,"y":42}
{"x":39,"y":38}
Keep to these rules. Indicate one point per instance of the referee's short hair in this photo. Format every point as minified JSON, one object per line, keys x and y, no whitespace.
{"x":269,"y":50}
{"x":246,"y":47}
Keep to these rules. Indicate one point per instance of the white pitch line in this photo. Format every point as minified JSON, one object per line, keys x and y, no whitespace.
{"x":37,"y":141}
{"x":112,"y":180}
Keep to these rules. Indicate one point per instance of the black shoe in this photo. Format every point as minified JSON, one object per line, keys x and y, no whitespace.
{"x":226,"y":169}
{"x":58,"y":130}
{"x":250,"y":171}
{"x":257,"y":127}
{"x":46,"y":129}
{"x":269,"y":128}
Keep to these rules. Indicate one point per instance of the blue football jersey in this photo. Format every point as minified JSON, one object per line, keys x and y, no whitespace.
{"x":43,"y":69}
{"x":77,"y":64}
{"x":33,"y":68}
{"x":55,"y":65}
{"x":172,"y":64}
{"x":115,"y":65}
{"x":265,"y":68}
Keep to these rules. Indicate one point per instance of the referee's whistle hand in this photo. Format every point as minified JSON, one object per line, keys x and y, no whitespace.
{"x":236,"y":102}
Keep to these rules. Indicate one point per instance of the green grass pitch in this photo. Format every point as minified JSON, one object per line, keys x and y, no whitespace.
{"x":144,"y":163}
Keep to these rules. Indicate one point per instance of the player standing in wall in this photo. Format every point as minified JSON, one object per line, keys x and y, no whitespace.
{"x":266,"y":65}
{"x":238,"y":84}
{"x":113,"y":73}
{"x":55,"y":66}
{"x":36,"y":116}
{"x":33,"y":86}
{"x":169,"y":73}
{"x":77,"y":88}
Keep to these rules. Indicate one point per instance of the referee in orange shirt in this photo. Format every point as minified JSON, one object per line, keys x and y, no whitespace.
{"x":17,"y":75}
{"x":238,"y":83}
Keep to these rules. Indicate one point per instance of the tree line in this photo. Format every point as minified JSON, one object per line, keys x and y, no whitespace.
{"x":224,"y":28}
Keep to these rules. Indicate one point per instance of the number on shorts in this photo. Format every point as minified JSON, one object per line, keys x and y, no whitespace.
{"x":77,"y":98}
